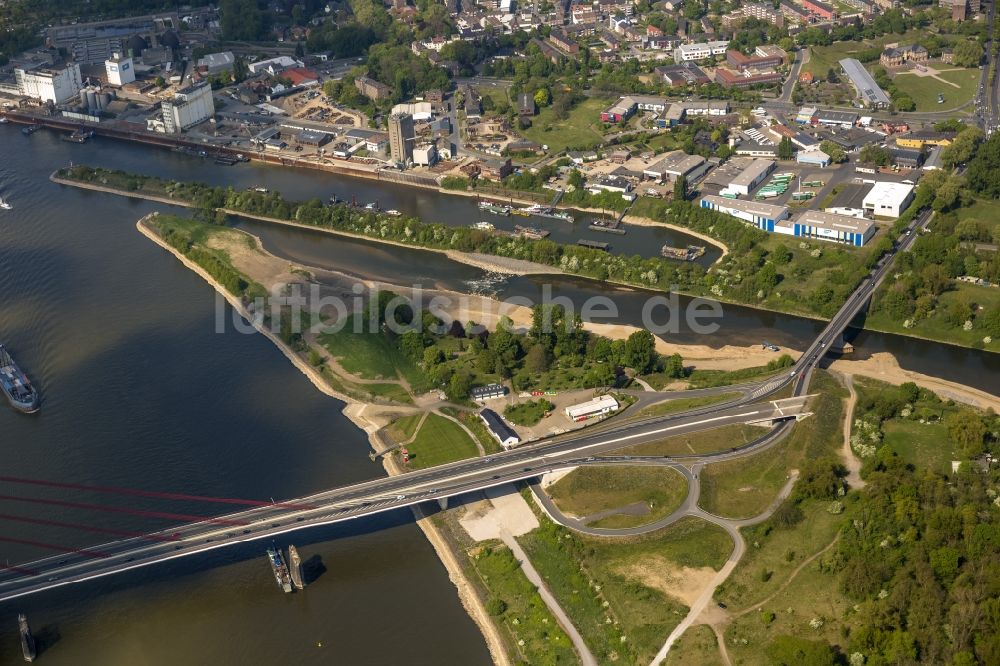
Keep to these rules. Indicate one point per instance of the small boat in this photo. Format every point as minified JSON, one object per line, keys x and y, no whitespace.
{"x":258,"y":189}
{"x":768,"y":346}
{"x":334,"y":200}
{"x":483,"y":226}
{"x":280,"y":569}
{"x":3,"y":120}
{"x":496,"y":209}
{"x":27,"y":640}
{"x":393,"y":212}
{"x":4,"y":204}
{"x":16,"y":386}
{"x":29,"y":130}
{"x":531,"y":233}
{"x":523,"y":212}
{"x":371,"y":205}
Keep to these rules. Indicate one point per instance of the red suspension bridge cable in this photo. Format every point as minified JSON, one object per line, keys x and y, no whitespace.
{"x":87,"y":528}
{"x":182,"y":517}
{"x":150,"y":493}
{"x":16,"y":569}
{"x":52,"y":546}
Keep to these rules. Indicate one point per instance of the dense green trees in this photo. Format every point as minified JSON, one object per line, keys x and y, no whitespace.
{"x":242,"y":20}
{"x":968,"y":53}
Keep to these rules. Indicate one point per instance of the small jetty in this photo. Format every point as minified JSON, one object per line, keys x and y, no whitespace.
{"x":15,"y":385}
{"x":531,"y":233}
{"x":225,"y":160}
{"x":280,"y":569}
{"x":594,"y":245}
{"x":607,"y":226}
{"x":27,"y":640}
{"x":295,"y":568}
{"x":689,"y":253}
{"x":79,"y":136}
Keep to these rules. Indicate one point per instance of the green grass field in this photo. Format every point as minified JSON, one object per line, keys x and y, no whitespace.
{"x":372,"y":356}
{"x":746,"y":487}
{"x":588,"y":490}
{"x":596,"y":580}
{"x":925,"y":89}
{"x":697,"y":645}
{"x":582,"y":128}
{"x":766,"y":575}
{"x":528,"y":627}
{"x":440,"y":441}
{"x":923,"y":444}
{"x":684,"y":404}
{"x":707,"y":441}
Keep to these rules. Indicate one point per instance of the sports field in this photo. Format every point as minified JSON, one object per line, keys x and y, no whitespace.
{"x":924,"y":90}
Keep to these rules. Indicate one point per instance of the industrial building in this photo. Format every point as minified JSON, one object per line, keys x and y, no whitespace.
{"x":888,"y":199}
{"x":401,"y":136}
{"x":821,"y":225}
{"x":189,"y":106}
{"x":216,"y":63}
{"x":764,"y":216}
{"x":119,"y":70}
{"x":675,"y":164}
{"x":813,"y":158}
{"x":499,"y":429}
{"x":599,"y":406}
{"x":49,"y":84}
{"x":842,"y":119}
{"x":488,"y":392}
{"x":425,"y":154}
{"x":849,"y":201}
{"x":752,"y":176}
{"x":869,"y":92}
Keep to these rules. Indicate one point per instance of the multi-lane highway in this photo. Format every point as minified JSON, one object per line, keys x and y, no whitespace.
{"x":437,"y":483}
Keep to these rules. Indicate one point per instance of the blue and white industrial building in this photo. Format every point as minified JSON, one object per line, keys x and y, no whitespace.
{"x":810,"y":224}
{"x":829,"y":227}
{"x":762,"y":215}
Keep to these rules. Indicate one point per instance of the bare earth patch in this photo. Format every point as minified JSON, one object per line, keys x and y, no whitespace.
{"x":659,"y":573}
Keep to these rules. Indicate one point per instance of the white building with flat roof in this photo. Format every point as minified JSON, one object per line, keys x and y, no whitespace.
{"x":752,"y":176}
{"x":888,"y":199}
{"x":692,"y":52}
{"x":599,"y":406}
{"x":50,"y":84}
{"x":425,"y":154}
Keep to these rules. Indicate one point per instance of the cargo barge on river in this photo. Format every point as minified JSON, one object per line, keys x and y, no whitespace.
{"x":15,"y":385}
{"x":27,"y":640}
{"x":280,"y":569}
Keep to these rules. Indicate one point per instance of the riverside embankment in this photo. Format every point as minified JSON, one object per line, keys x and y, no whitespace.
{"x":366,"y":416}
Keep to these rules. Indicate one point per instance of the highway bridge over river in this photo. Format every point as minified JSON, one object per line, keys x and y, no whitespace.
{"x":585,"y":447}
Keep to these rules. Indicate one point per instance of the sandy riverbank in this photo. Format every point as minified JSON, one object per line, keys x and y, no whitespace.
{"x":359,"y":414}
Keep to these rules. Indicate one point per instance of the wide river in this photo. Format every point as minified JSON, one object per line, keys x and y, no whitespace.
{"x":139,"y":391}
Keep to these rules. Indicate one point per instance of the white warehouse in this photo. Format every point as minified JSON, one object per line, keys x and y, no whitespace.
{"x":50,"y":84}
{"x":599,"y":406}
{"x":692,"y":52}
{"x":888,"y":199}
